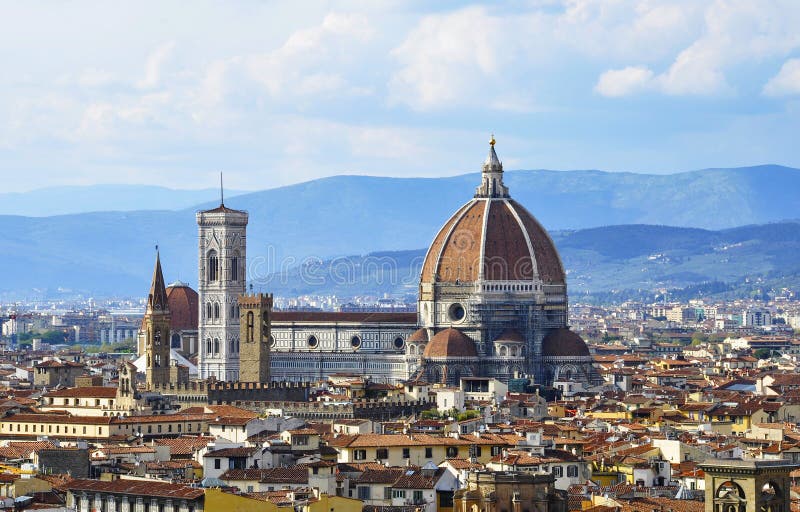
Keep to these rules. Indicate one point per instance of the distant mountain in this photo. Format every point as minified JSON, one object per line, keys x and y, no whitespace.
{"x":64,"y":200}
{"x":626,"y":261}
{"x":111,"y":252}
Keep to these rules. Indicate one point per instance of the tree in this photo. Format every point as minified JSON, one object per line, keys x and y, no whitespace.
{"x":763,"y":353}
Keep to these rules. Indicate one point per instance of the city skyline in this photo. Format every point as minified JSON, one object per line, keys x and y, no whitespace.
{"x":273,"y":94}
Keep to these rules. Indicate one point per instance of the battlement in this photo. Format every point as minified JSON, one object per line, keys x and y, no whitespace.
{"x":244,"y":386}
{"x":195,"y":387}
{"x":255,"y":301}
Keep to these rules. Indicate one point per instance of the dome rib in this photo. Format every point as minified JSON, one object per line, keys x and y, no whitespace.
{"x":481,"y":266}
{"x":526,"y":235}
{"x":431,"y":266}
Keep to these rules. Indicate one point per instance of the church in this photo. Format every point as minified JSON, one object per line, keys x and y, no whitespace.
{"x":492,"y":303}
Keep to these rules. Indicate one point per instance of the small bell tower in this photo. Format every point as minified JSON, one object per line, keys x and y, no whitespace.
{"x":255,"y":320}
{"x":157,"y":331}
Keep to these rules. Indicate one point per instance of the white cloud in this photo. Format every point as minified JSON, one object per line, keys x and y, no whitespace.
{"x":786,"y":82}
{"x":153,"y":67}
{"x":622,"y":82}
{"x":311,"y":60}
{"x":445,"y":58}
{"x":734,"y":33}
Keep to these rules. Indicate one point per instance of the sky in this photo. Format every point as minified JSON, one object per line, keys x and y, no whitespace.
{"x":273,"y":93}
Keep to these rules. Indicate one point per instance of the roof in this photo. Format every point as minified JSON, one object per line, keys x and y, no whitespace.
{"x":184,"y":445}
{"x":232,"y":452}
{"x":419,"y":335}
{"x":157,"y":298}
{"x":511,"y":335}
{"x":183,"y":307}
{"x":58,"y":418}
{"x":564,"y":343}
{"x":290,"y":475}
{"x":450,"y":343}
{"x":136,"y":487}
{"x":84,"y":392}
{"x":492,"y":238}
{"x":419,"y":479}
{"x":222,"y":209}
{"x":344,"y":317}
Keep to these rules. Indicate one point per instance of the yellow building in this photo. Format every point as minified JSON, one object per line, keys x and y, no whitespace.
{"x":419,"y":449}
{"x":215,"y":499}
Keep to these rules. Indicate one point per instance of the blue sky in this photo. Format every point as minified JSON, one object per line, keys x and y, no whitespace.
{"x":272,"y":93}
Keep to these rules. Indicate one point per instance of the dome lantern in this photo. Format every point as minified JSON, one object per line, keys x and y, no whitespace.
{"x":492,"y":176}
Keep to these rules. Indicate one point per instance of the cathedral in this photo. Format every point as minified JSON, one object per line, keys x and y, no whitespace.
{"x":492,"y":303}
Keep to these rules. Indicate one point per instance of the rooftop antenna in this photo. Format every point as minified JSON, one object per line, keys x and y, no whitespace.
{"x":221,"y":193}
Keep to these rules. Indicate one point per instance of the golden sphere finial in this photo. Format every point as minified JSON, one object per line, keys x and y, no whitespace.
{"x":492,"y":141}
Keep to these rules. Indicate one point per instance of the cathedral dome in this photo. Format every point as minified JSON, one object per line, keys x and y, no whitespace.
{"x":564,"y":343}
{"x":450,"y":343}
{"x":183,"y":307}
{"x":492,"y":238}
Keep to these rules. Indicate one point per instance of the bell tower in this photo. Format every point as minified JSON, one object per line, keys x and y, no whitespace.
{"x":255,"y":313}
{"x":156,"y":331}
{"x":734,"y":485}
{"x":222,"y":252}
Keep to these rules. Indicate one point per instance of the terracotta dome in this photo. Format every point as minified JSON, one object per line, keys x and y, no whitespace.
{"x":564,"y":343}
{"x":492,"y":238}
{"x":511,"y":335}
{"x":183,"y":307}
{"x":420,"y":335}
{"x":450,"y":343}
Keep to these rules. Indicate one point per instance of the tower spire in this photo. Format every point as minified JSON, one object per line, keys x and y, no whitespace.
{"x":492,"y":176}
{"x":221,"y":191}
{"x":157,"y":299}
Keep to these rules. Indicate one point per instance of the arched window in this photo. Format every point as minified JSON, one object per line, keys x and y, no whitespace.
{"x":216,"y":311}
{"x":157,"y":337}
{"x":216,"y":345}
{"x":250,"y":325}
{"x":213,"y":266}
{"x":208,"y":346}
{"x":208,"y":311}
{"x":176,"y":340}
{"x":235,"y":267}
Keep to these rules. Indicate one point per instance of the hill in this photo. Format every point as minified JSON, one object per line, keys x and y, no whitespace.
{"x":66,"y":200}
{"x":110,"y":253}
{"x":616,"y":262}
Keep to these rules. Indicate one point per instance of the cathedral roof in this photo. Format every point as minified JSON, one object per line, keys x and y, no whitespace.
{"x":157,"y":298}
{"x":492,"y":238}
{"x":183,"y":307}
{"x":450,"y":343}
{"x":419,"y":335}
{"x":564,"y":343}
{"x":511,"y":335}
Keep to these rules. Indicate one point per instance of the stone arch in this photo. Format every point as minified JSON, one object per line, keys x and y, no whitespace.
{"x":212,"y":265}
{"x":503,"y":351}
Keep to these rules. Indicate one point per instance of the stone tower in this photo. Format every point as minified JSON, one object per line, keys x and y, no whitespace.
{"x":221,"y":279}
{"x":254,"y":320}
{"x":156,"y":331}
{"x":127,"y":395}
{"x":747,"y":485}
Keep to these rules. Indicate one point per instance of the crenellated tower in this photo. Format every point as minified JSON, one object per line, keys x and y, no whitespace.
{"x":156,"y":331}
{"x":255,"y":313}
